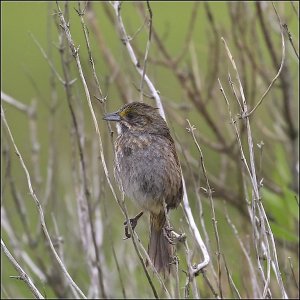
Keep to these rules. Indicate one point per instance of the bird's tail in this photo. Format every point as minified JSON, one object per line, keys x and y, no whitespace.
{"x":160,"y":250}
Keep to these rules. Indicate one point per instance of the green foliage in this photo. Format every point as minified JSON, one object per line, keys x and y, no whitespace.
{"x":283,"y":208}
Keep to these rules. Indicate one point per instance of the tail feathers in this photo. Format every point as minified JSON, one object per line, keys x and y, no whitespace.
{"x":160,"y":250}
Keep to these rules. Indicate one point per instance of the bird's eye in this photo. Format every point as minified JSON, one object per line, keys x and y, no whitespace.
{"x":130,"y":115}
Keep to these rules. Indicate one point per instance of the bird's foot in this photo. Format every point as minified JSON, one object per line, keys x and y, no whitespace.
{"x":167,"y":230}
{"x":133,"y":223}
{"x":172,"y":236}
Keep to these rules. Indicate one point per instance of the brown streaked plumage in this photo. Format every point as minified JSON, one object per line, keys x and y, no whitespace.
{"x":147,"y":169}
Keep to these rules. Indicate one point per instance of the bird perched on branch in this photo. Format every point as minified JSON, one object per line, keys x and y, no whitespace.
{"x":147,"y":170}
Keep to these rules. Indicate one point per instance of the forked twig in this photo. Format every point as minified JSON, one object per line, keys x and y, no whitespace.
{"x":23,"y":276}
{"x":265,"y":230}
{"x":247,"y":114}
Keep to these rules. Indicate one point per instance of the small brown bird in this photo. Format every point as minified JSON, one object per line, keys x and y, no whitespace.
{"x":148,"y":171}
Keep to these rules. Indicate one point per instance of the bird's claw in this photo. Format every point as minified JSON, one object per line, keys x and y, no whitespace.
{"x":133,"y":223}
{"x":167,"y":230}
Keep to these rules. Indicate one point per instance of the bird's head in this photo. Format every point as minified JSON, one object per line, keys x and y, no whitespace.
{"x":139,"y":117}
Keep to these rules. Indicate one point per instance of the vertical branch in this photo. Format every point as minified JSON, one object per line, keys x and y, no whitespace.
{"x":75,"y":53}
{"x":117,"y":76}
{"x":50,"y":178}
{"x":40,"y":210}
{"x":276,"y":76}
{"x":286,"y":89}
{"x":266,"y":231}
{"x":147,"y":50}
{"x":89,"y":230}
{"x":255,"y":286}
{"x":290,"y":39}
{"x":35,"y":145}
{"x":124,"y":37}
{"x":81,"y":13}
{"x":117,"y":8}
{"x":216,"y":51}
{"x":209,"y":192}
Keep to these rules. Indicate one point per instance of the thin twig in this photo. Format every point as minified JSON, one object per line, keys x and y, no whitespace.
{"x":40,"y":210}
{"x":215,"y":61}
{"x":116,"y":75}
{"x":251,"y":267}
{"x":133,"y":237}
{"x":17,"y":250}
{"x":35,"y":145}
{"x":51,"y":163}
{"x":153,"y":268}
{"x":117,"y":8}
{"x":75,"y":53}
{"x":191,"y":129}
{"x":231,"y":282}
{"x":119,"y":271}
{"x":246,"y":114}
{"x":295,"y":9}
{"x":17,"y":198}
{"x":290,"y":39}
{"x":82,"y":13}
{"x":210,"y":285}
{"x":253,"y":277}
{"x":47,"y":59}
{"x":17,"y":104}
{"x":195,"y":231}
{"x":293,"y":273}
{"x":147,"y":50}
{"x":83,"y":195}
{"x":266,"y":231}
{"x":23,"y":276}
{"x":286,"y":88}
{"x":190,"y":278}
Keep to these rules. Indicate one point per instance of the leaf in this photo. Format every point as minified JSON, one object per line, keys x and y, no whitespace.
{"x":284,"y":234}
{"x":282,"y":172}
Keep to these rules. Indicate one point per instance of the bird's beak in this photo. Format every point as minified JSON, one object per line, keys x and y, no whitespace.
{"x":112,"y":117}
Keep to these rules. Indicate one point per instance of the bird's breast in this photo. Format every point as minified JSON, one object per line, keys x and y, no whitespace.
{"x":147,"y":170}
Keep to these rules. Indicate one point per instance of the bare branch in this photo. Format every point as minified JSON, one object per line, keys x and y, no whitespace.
{"x":209,"y":193}
{"x":12,"y":101}
{"x":23,"y":276}
{"x":147,"y":50}
{"x":246,"y":114}
{"x":265,"y":230}
{"x":40,"y":210}
{"x":124,"y":37}
{"x":47,"y":59}
{"x":117,"y":6}
{"x":290,"y":39}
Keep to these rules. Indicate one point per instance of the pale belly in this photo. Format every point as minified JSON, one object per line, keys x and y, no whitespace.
{"x":148,"y":174}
